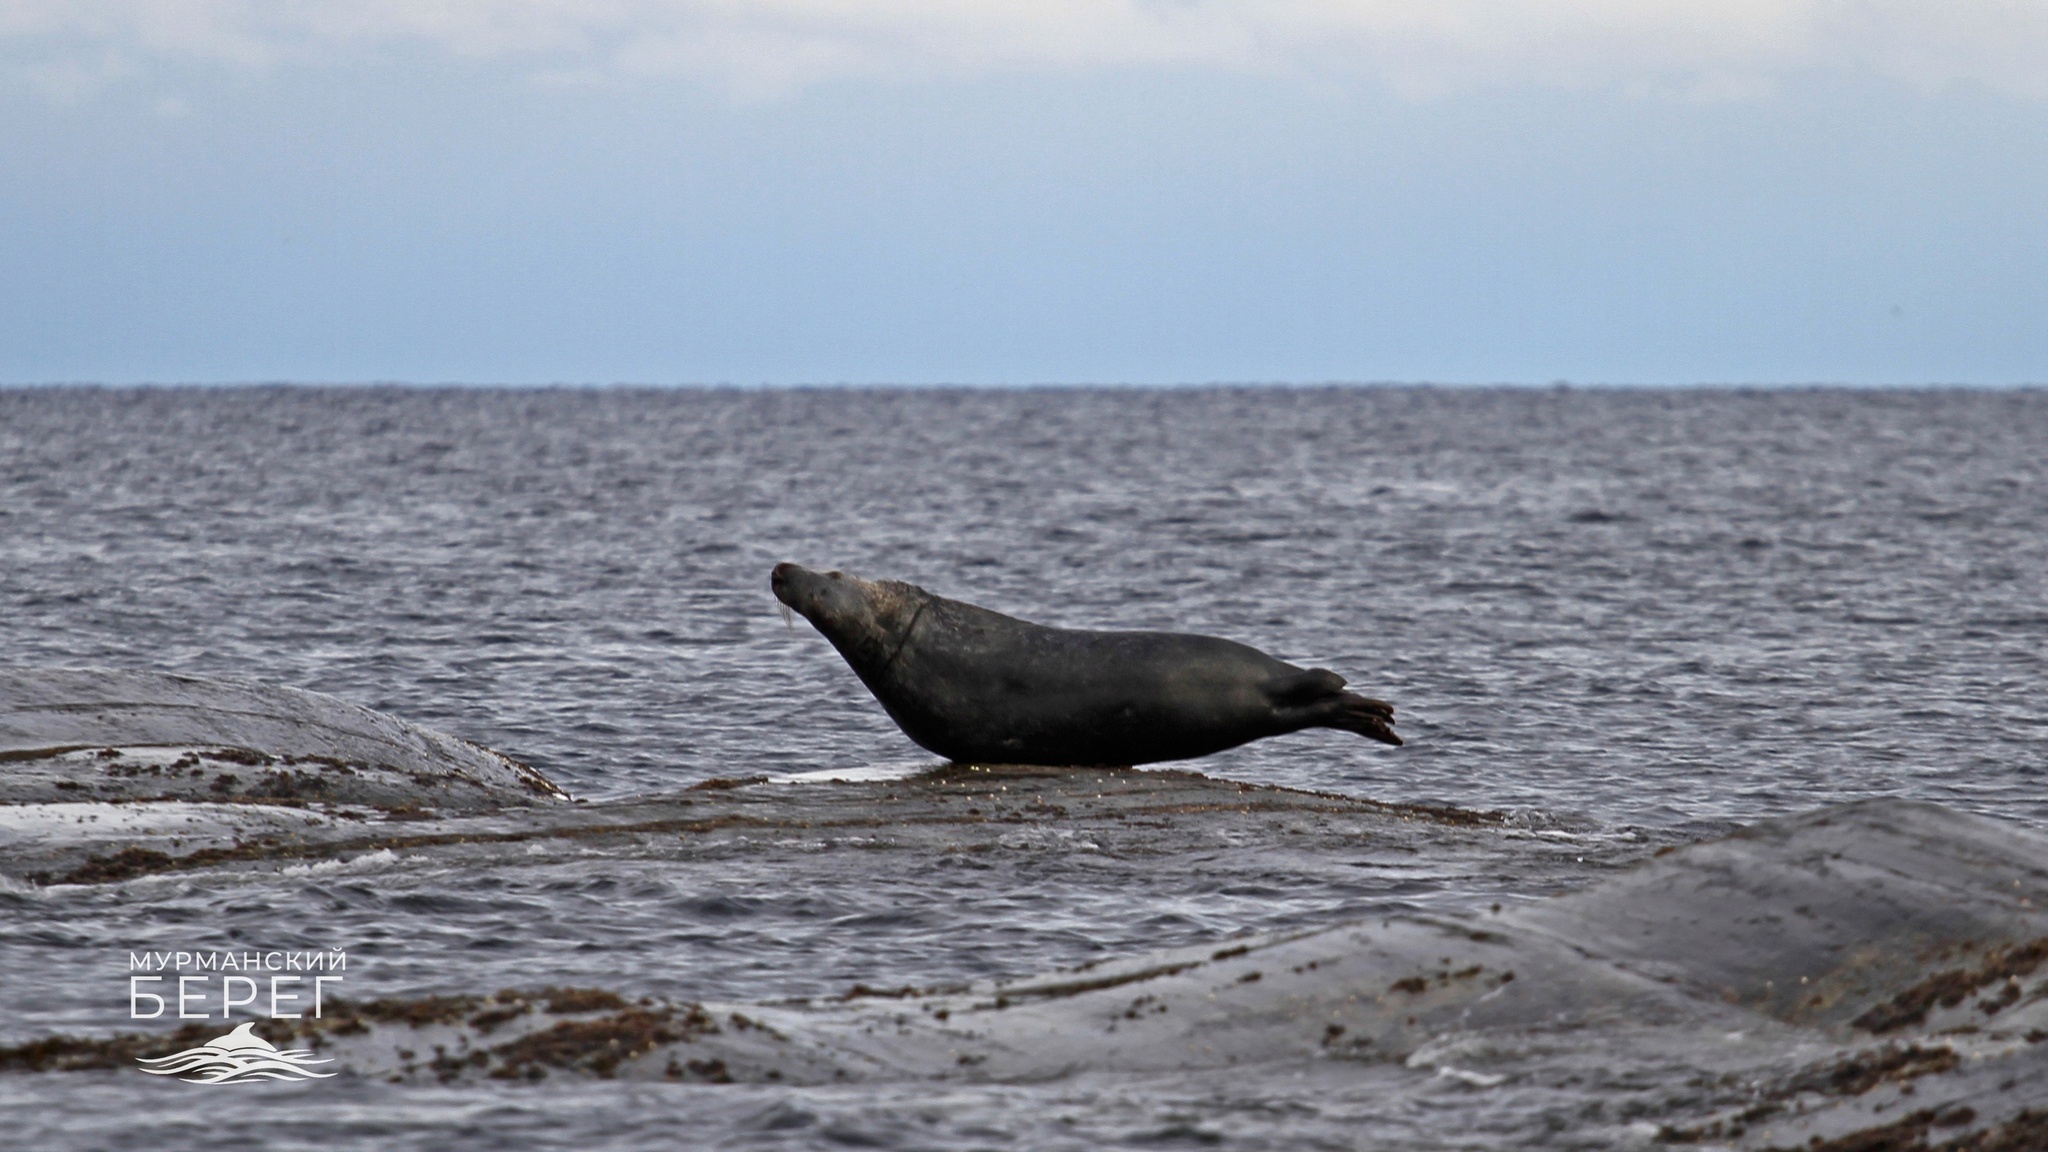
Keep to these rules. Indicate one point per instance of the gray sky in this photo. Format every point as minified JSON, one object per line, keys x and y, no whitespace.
{"x":1024,"y":190}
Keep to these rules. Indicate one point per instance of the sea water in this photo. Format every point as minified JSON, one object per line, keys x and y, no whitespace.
{"x":1626,"y":617}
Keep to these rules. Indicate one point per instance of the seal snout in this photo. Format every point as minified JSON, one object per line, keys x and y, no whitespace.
{"x":784,"y":579}
{"x":806,"y":591}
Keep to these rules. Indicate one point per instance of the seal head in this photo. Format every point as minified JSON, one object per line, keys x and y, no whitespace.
{"x":977,"y":686}
{"x":867,"y":620}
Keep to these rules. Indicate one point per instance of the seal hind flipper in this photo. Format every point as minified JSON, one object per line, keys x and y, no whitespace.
{"x":1372,"y":719}
{"x":1323,"y":691}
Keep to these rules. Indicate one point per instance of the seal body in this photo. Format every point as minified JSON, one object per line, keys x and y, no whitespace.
{"x":977,"y":686}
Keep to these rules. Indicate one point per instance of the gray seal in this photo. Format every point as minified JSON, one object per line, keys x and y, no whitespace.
{"x":977,"y":686}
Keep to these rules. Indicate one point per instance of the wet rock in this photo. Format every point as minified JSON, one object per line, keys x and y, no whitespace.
{"x":78,"y":735}
{"x":953,"y":809}
{"x":1879,"y":967}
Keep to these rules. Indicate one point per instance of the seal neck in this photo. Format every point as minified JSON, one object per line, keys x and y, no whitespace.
{"x":907,"y":630}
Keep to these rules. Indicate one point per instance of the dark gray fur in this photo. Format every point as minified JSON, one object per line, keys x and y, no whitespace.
{"x":977,"y":686}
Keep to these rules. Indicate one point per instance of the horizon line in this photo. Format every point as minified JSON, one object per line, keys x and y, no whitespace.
{"x":1046,"y":385}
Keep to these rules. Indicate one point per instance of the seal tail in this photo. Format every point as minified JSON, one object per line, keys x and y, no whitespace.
{"x":1372,"y":719}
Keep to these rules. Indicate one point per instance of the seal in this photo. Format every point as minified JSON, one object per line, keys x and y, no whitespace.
{"x":977,"y":686}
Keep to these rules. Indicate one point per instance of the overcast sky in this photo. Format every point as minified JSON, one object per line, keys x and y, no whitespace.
{"x":1007,"y":191}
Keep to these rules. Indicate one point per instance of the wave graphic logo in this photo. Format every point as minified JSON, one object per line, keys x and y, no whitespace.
{"x":240,"y":1057}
